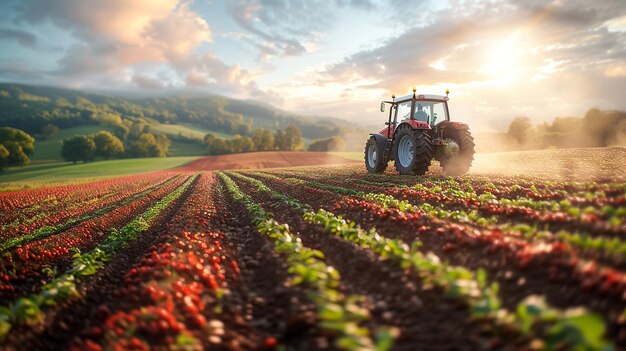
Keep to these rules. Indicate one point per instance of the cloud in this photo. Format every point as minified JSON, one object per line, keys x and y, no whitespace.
{"x":115,"y":40}
{"x":457,"y":46}
{"x":24,"y":38}
{"x":283,"y":28}
{"x":19,"y":71}
{"x":500,"y":59}
{"x":147,"y":82}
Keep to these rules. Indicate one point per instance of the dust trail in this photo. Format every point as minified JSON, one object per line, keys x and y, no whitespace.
{"x":576,"y":163}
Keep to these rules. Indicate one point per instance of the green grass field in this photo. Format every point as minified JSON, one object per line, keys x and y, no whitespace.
{"x":50,"y":150}
{"x":187,"y":130}
{"x":179,"y":148}
{"x":53,"y":173}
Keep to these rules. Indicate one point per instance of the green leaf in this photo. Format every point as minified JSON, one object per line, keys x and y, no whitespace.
{"x":5,"y":327}
{"x":331,"y":312}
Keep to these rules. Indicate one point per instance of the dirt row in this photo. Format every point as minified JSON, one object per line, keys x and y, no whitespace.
{"x":28,"y":276}
{"x":259,"y":305}
{"x":267,"y":159}
{"x":64,"y":321}
{"x":426,"y":319}
{"x":516,"y":282}
{"x":615,"y":260}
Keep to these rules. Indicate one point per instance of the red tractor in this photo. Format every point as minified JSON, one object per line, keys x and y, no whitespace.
{"x":419,"y":130}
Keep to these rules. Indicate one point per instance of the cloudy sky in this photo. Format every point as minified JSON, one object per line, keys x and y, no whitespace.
{"x":500,"y":59}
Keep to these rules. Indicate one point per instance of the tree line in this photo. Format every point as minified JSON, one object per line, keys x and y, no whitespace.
{"x":289,"y":139}
{"x":15,"y":147}
{"x":596,"y":128}
{"x":106,"y":145}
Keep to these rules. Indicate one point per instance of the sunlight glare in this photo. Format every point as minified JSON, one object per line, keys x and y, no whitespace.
{"x":503,"y":60}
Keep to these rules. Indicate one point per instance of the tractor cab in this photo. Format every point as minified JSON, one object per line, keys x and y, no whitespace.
{"x":432,"y":111}
{"x":418,"y":130}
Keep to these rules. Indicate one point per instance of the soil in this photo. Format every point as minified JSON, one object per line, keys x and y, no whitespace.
{"x":562,"y":290}
{"x":269,"y":159}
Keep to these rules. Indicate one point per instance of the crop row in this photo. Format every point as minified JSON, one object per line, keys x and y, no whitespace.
{"x":27,"y":266}
{"x":539,"y":189}
{"x":172,"y":297}
{"x":590,"y":275}
{"x":63,"y":287}
{"x":337,"y":314}
{"x":71,"y":211}
{"x":445,"y":229}
{"x":56,"y":220}
{"x":453,"y":194}
{"x":32,"y":200}
{"x":553,"y":214}
{"x":601,"y":245}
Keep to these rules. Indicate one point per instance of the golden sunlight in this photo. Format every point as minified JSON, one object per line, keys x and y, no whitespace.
{"x":504,"y":59}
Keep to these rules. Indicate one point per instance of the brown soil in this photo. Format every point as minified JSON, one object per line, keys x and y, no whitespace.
{"x":269,"y":159}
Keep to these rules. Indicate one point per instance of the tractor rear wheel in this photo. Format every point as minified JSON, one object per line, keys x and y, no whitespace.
{"x":413,"y":150}
{"x":374,"y":157}
{"x":461,"y":162}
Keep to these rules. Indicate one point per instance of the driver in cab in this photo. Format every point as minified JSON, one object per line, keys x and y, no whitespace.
{"x":420,"y":114}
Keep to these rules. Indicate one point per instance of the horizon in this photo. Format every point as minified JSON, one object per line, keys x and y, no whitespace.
{"x":500,"y":59}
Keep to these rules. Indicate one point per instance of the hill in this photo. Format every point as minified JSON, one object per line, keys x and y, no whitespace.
{"x":30,"y":108}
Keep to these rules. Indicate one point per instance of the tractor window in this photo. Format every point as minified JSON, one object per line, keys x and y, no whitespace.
{"x":404,"y":111}
{"x":422,"y":112}
{"x":439,"y":113}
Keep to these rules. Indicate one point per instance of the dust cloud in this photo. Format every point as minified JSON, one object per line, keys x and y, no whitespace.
{"x":574,"y":163}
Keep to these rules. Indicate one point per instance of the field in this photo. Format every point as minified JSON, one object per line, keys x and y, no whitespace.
{"x":303,"y":251}
{"x":57,"y":173}
{"x":187,"y":130}
{"x":50,"y":150}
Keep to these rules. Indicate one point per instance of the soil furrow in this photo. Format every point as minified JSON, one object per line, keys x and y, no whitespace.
{"x":545,"y":275}
{"x":426,"y":319}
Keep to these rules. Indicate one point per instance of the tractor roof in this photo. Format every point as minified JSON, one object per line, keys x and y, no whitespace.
{"x":421,"y":97}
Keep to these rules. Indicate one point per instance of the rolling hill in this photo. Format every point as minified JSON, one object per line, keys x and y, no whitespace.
{"x":31,"y":107}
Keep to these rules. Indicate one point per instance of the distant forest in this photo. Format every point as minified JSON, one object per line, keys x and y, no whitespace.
{"x":596,"y":128}
{"x":31,"y":108}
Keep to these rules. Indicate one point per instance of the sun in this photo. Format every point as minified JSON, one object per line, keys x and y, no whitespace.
{"x":503,"y":59}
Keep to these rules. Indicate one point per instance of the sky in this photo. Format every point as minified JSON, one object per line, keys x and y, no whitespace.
{"x":499,"y":59}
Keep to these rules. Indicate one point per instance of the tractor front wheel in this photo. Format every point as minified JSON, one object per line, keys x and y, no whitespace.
{"x":374,"y":157}
{"x":413,"y":151}
{"x":460,"y":163}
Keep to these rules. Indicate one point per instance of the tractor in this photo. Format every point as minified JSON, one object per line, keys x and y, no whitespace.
{"x":419,"y":130}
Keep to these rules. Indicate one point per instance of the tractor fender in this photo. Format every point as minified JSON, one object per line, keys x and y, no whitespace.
{"x":453,"y":125}
{"x":381,"y":140}
{"x":415,"y":124}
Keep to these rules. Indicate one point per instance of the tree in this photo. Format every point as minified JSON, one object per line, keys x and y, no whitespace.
{"x":279,"y":140}
{"x":107,"y":145}
{"x":4,"y":157}
{"x":520,"y":129}
{"x":328,"y":144}
{"x":19,"y":144}
{"x":217,"y":146}
{"x":49,"y":131}
{"x":147,"y":146}
{"x":78,"y":148}
{"x":263,"y":139}
{"x":604,"y":127}
{"x":293,"y":138}
{"x":136,"y":129}
{"x":240,"y":143}
{"x":163,"y":142}
{"x":121,"y":131}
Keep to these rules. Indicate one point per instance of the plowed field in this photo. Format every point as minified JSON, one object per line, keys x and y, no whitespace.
{"x":231,"y":253}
